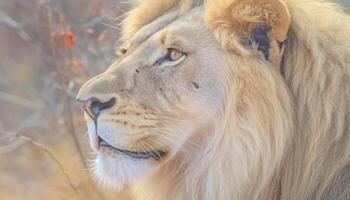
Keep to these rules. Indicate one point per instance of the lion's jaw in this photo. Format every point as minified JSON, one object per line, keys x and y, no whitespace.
{"x":117,"y":170}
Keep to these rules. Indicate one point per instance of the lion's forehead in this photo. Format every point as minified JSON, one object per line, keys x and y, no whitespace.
{"x":169,"y":20}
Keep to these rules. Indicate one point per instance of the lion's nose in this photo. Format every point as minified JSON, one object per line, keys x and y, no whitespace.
{"x":94,"y":106}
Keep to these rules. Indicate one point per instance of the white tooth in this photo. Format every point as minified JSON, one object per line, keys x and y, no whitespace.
{"x":94,"y":139}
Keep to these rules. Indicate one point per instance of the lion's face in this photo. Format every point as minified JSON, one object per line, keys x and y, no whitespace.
{"x":148,"y":105}
{"x":181,"y":79}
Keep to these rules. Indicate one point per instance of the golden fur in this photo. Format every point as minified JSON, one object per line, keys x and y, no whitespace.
{"x":283,"y":132}
{"x":317,"y":70}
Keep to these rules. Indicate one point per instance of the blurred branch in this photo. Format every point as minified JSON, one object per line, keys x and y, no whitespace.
{"x":4,"y":18}
{"x":63,"y":83}
{"x":48,"y":152}
{"x":19,"y":101}
{"x":66,"y":86}
{"x":66,"y":90}
{"x":93,"y":22}
{"x":13,"y":145}
{"x":112,"y":26}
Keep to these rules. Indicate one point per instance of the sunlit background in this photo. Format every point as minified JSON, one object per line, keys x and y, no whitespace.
{"x":48,"y":48}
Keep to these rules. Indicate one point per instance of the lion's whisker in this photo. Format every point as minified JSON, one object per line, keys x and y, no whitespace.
{"x":174,"y":126}
{"x":167,"y":133}
{"x":171,"y":140}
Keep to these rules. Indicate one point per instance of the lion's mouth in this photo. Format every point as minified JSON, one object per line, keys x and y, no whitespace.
{"x":157,"y":154}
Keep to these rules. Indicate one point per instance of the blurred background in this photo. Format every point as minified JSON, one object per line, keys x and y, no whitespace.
{"x":48,"y":49}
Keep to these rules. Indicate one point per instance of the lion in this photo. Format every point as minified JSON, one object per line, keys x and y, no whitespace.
{"x":225,"y":99}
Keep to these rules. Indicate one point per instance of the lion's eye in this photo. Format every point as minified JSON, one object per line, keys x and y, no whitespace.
{"x":174,"y":54}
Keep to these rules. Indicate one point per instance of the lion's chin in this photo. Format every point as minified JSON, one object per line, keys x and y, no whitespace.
{"x":117,"y":171}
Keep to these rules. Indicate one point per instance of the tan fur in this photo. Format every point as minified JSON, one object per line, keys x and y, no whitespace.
{"x":283,"y":132}
{"x":147,"y":11}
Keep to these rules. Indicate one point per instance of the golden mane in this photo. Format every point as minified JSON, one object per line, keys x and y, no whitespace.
{"x":145,"y":11}
{"x":316,"y":71}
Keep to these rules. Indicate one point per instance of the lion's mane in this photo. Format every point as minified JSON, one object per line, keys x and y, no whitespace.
{"x":287,"y":134}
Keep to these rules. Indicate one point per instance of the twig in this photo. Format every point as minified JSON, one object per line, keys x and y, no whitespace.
{"x":14,"y":145}
{"x":93,"y":22}
{"x":10,"y":147}
{"x":4,"y":18}
{"x":69,"y":108}
{"x":19,"y":101}
{"x":48,"y":152}
{"x":59,"y":87}
{"x":111,"y":26}
{"x":61,"y":75}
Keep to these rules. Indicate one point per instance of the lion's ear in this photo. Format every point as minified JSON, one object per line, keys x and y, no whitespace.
{"x":259,"y":24}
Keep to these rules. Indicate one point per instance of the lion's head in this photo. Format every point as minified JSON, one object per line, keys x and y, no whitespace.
{"x":198,"y":87}
{"x":164,"y":88}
